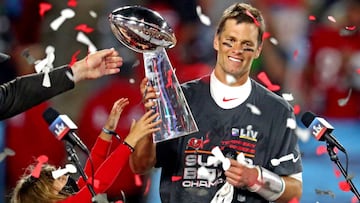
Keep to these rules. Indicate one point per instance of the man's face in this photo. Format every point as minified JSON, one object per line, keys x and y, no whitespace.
{"x":237,"y":46}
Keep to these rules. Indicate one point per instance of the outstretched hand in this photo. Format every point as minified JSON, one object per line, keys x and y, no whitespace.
{"x":96,"y":65}
{"x":144,"y":126}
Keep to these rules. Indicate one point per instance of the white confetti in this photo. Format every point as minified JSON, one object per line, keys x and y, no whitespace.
{"x":131,"y":80}
{"x":288,"y":96}
{"x":65,"y":14}
{"x":273,"y":41}
{"x":219,"y":155}
{"x":253,"y":109}
{"x":203,"y":18}
{"x":69,"y":168}
{"x":291,"y":123}
{"x":5,"y":153}
{"x":81,"y":37}
{"x":344,"y":101}
{"x":93,"y":14}
{"x":230,"y":79}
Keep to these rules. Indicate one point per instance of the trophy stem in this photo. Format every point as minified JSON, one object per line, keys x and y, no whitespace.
{"x":171,"y":105}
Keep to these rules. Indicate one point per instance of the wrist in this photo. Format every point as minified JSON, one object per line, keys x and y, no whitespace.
{"x":111,"y":132}
{"x":268,"y":184}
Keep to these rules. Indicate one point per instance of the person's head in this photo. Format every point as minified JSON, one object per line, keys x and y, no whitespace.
{"x":44,"y":189}
{"x":238,"y":41}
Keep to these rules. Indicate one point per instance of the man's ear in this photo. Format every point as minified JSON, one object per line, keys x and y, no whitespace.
{"x":258,"y":51}
{"x":216,"y":42}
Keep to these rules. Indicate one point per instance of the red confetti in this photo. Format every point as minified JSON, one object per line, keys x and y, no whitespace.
{"x":84,"y":28}
{"x":294,"y":200}
{"x":43,"y":7}
{"x":175,"y":178}
{"x":147,"y":188}
{"x":320,"y":150}
{"x":351,"y":28}
{"x":254,"y":19}
{"x":266,"y":35}
{"x":337,"y":173}
{"x":41,"y":160}
{"x":354,"y":199}
{"x":264,"y":78}
{"x":358,"y":70}
{"x":74,"y":58}
{"x":296,"y":54}
{"x":297,"y":109}
{"x":312,"y":18}
{"x":96,"y":182}
{"x":344,"y":186}
{"x":72,"y":3}
{"x":138,"y":181}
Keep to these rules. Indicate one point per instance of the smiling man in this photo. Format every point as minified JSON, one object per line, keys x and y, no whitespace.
{"x":258,"y":143}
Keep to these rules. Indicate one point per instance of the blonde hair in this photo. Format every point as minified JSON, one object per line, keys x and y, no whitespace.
{"x":30,"y":189}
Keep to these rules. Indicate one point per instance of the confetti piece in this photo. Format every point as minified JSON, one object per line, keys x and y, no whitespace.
{"x":325,"y":192}
{"x":72,"y":3}
{"x":254,"y":19}
{"x":131,"y":80}
{"x":288,"y":96}
{"x":344,"y":101}
{"x":93,"y":14}
{"x":351,"y":28}
{"x":294,"y":200}
{"x":175,"y":178}
{"x":273,"y":41}
{"x":96,"y":182}
{"x":337,"y":172}
{"x":69,"y":168}
{"x":320,"y":150}
{"x":219,"y":155}
{"x":203,"y":173}
{"x":7,"y":152}
{"x":295,"y":54}
{"x":43,"y":8}
{"x":266,"y":35}
{"x":297,"y":109}
{"x":303,"y":134}
{"x":358,"y":70}
{"x":147,"y":188}
{"x":74,"y":58}
{"x":138,"y":181}
{"x":288,"y":157}
{"x":291,"y":123}
{"x":264,"y":78}
{"x":41,"y":160}
{"x":81,"y":37}
{"x":230,"y":79}
{"x":255,"y":110}
{"x":354,"y":199}
{"x":84,"y":28}
{"x":65,"y":14}
{"x":312,"y":18}
{"x":203,"y":18}
{"x":344,"y":186}
{"x":136,"y":63}
{"x":332,"y":19}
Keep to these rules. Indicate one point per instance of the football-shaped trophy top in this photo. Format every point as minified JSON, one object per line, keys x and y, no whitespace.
{"x":141,"y":29}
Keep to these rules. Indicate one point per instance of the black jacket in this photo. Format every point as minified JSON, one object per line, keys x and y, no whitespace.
{"x":27,"y":91}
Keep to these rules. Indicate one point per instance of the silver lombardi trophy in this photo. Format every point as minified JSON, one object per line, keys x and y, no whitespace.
{"x":145,"y":31}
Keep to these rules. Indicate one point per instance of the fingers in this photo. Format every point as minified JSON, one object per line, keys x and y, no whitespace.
{"x":143,"y":85}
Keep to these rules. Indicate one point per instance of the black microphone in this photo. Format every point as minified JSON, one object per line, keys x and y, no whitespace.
{"x":321,"y":129}
{"x":63,"y":128}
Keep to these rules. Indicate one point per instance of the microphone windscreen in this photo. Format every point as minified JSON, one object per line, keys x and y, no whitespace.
{"x":307,"y":118}
{"x":50,"y":115}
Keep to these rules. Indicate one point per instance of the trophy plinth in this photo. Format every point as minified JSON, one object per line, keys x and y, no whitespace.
{"x":145,"y":31}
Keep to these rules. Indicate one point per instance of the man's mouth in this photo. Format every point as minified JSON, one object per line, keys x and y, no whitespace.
{"x":235,"y":59}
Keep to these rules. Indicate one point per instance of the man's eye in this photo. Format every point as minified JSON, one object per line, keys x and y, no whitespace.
{"x":227,"y":44}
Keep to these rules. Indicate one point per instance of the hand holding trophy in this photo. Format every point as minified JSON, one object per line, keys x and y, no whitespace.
{"x":145,"y":31}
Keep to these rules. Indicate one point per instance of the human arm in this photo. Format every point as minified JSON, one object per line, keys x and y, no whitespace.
{"x":112,"y":166}
{"x":256,"y":179}
{"x":144,"y":156}
{"x":102,"y":145}
{"x":27,"y":91}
